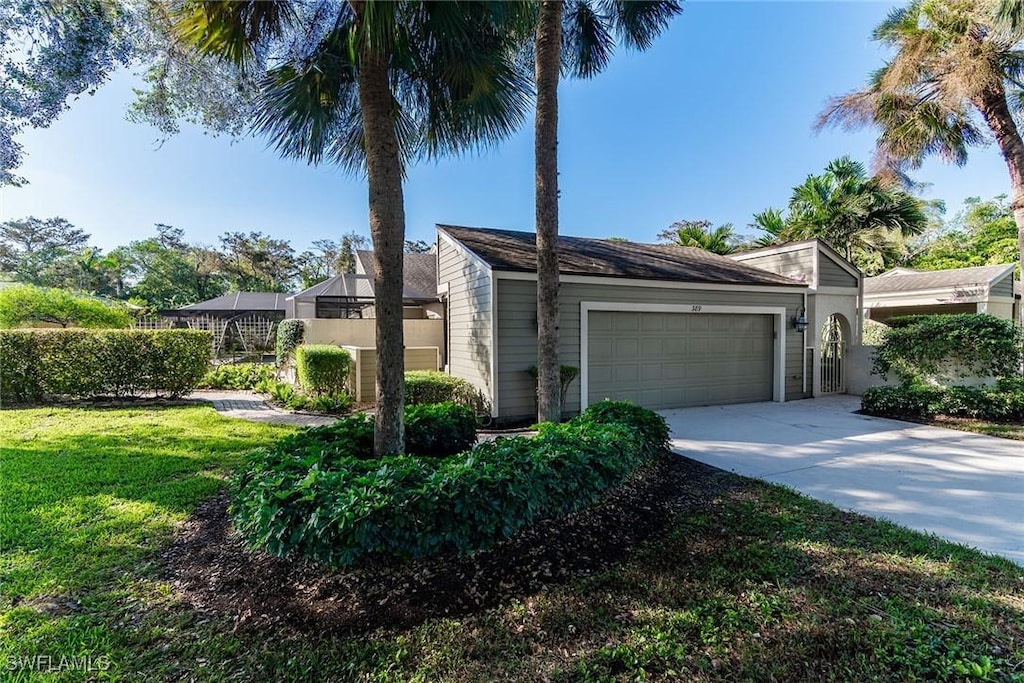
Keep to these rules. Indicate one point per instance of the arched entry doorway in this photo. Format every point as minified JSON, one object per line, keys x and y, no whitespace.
{"x":833,"y":355}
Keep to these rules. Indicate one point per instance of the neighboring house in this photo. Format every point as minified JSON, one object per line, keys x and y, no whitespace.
{"x":905,"y":291}
{"x":351,"y":295}
{"x":340,"y":311}
{"x":664,"y":326}
{"x":242,"y":324}
{"x":834,"y":295}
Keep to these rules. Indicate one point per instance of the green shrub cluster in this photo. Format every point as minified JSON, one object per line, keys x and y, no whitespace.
{"x":322,"y":368}
{"x":431,"y":386}
{"x":917,"y":347}
{"x":39,"y":364}
{"x":289,"y":335}
{"x":439,"y":429}
{"x":285,"y":395}
{"x":237,"y":376}
{"x":1003,"y":402}
{"x":434,"y":431}
{"x":334,"y":509}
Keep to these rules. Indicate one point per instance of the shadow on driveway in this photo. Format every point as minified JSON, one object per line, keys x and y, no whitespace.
{"x":963,"y":487}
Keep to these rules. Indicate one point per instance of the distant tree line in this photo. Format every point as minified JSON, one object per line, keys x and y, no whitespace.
{"x":873,"y":221}
{"x":166,"y":271}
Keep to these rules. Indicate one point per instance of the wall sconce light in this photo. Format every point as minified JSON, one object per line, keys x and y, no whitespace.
{"x":800,"y":321}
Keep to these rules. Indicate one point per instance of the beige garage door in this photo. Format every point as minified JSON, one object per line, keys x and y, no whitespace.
{"x":677,"y":360}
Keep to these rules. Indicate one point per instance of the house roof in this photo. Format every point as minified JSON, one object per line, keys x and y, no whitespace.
{"x":517,"y":251}
{"x":354,"y":286}
{"x":420,"y":281}
{"x":787,"y":246}
{"x":910,"y":280}
{"x":239,"y":301}
{"x":419,"y":273}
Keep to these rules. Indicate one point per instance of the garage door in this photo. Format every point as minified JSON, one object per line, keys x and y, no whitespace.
{"x":677,"y":360}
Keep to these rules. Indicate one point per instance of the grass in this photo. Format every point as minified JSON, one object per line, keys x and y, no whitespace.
{"x":1005,"y":430}
{"x":761,"y":585}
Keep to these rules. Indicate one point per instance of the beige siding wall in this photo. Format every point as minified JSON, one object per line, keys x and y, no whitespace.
{"x":831,"y":274}
{"x":797,"y":264}
{"x":364,"y":370}
{"x":469,"y":316}
{"x":516,"y":348}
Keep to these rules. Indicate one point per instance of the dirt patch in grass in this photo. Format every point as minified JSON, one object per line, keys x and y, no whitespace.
{"x":216,"y":573}
{"x":1005,"y":430}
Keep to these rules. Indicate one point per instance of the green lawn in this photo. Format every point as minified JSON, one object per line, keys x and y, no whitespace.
{"x":760,"y":584}
{"x":1005,"y":430}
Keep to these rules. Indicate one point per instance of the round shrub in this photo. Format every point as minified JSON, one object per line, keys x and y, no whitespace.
{"x":322,"y":368}
{"x":431,"y":386}
{"x":321,"y":501}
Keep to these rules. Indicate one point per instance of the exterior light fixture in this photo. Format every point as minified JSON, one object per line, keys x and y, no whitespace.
{"x":800,"y":321}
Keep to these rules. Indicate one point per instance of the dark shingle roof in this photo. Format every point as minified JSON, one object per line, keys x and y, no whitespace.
{"x":241,"y":301}
{"x":517,"y":251}
{"x":908,"y":280}
{"x":420,"y":273}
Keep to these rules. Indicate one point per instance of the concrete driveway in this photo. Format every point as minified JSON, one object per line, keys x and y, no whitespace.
{"x":964,"y":487}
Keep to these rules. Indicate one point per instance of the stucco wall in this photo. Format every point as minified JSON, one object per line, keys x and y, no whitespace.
{"x":362,"y":332}
{"x":858,"y":370}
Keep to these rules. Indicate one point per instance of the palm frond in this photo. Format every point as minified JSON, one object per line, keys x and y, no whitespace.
{"x":232,"y":29}
{"x":638,"y":22}
{"x":587,"y":42}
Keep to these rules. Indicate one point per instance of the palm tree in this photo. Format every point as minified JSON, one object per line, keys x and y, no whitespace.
{"x":958,"y":69}
{"x":579,"y":37}
{"x":861,"y":216}
{"x":372,"y":86}
{"x":700,"y":234}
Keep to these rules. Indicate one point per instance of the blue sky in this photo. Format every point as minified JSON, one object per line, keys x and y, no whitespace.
{"x":713,"y":122}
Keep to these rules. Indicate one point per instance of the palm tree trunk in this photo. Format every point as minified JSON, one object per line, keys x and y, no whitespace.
{"x":548,"y":62}
{"x":387,"y":228}
{"x":996,"y":112}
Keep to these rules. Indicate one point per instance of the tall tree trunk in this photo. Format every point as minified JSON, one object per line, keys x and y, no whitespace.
{"x":996,"y":112}
{"x":548,"y":62}
{"x":387,"y":228}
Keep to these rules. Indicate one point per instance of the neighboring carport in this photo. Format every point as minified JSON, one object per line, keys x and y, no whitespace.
{"x":964,"y":487}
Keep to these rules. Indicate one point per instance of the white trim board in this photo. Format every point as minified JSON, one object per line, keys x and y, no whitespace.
{"x":796,"y":288}
{"x":779,"y":380}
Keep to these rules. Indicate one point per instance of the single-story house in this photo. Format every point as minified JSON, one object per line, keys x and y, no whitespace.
{"x":905,"y":291}
{"x":834,"y":294}
{"x":664,"y":326}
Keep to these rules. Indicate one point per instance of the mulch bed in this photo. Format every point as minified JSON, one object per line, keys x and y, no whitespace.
{"x":215,"y":572}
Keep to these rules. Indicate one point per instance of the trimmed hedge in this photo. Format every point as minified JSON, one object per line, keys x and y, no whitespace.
{"x":431,"y":386}
{"x":322,"y":368}
{"x":237,"y":376}
{"x":1005,"y":401}
{"x":336,"y":510}
{"x":39,"y":364}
